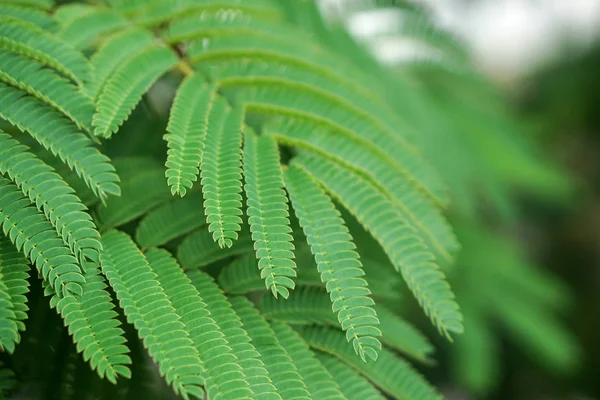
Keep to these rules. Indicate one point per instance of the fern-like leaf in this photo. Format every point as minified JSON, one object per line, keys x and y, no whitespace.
{"x":37,"y":239}
{"x":57,"y":134}
{"x":125,"y":88}
{"x":171,"y":220}
{"x":29,"y":40}
{"x":318,"y":381}
{"x":404,"y":248}
{"x":46,"y":85}
{"x":268,"y":214}
{"x":51,"y":195}
{"x":352,"y":384}
{"x":239,"y":341}
{"x":391,"y":373}
{"x":93,"y":323}
{"x":187,"y":128}
{"x":311,"y":305}
{"x":282,"y":370}
{"x":416,"y":208}
{"x":224,"y":378}
{"x":337,"y":261}
{"x":14,"y":271}
{"x":9,"y":331}
{"x":114,"y":52}
{"x":148,"y":308}
{"x":221,"y":175}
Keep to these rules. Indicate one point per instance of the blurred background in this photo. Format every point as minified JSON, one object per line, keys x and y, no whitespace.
{"x":543,"y":57}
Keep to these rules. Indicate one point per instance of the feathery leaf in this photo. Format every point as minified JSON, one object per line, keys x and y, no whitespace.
{"x":221,"y":172}
{"x":149,"y":309}
{"x":268,"y":214}
{"x":337,"y":262}
{"x":188,"y":123}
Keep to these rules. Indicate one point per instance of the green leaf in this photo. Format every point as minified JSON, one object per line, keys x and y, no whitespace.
{"x":268,"y":214}
{"x":224,"y":377}
{"x":239,"y":341}
{"x":28,"y":40}
{"x":399,"y":240}
{"x":391,"y":373}
{"x":318,"y":381}
{"x":221,"y":172}
{"x":62,"y":138}
{"x":337,"y":262}
{"x":125,"y":88}
{"x":148,"y":308}
{"x":188,"y":125}
{"x":14,"y":271}
{"x":277,"y":361}
{"x":36,"y":238}
{"x":52,"y":195}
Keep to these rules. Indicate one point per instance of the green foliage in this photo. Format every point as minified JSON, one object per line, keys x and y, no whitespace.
{"x":267,"y":102}
{"x":268,"y":214}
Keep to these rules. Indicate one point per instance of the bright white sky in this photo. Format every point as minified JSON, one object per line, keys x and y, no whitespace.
{"x":508,"y":37}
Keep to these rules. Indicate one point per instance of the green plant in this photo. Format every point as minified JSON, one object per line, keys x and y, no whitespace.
{"x":267,"y":104}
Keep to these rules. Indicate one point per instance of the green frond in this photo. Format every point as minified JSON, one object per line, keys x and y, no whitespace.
{"x":352,"y":384}
{"x":9,"y":331}
{"x":28,"y":14}
{"x":188,"y":124}
{"x":224,"y":377}
{"x":14,"y":271}
{"x":199,"y":249}
{"x":241,"y":275}
{"x":282,"y":370}
{"x":415,"y":207}
{"x":311,"y":305}
{"x":62,"y":138}
{"x":148,"y":179}
{"x":36,"y":238}
{"x":303,"y":62}
{"x":221,"y":172}
{"x":391,"y":373}
{"x":94,"y":325}
{"x":239,"y":341}
{"x":291,"y":99}
{"x":126,"y":86}
{"x":29,"y":40}
{"x":268,"y":214}
{"x":399,"y":240}
{"x":7,"y":380}
{"x":337,"y":262}
{"x":82,"y":30}
{"x":47,"y":86}
{"x":148,"y":308}
{"x":171,"y":220}
{"x":318,"y":381}
{"x":52,"y":195}
{"x":114,"y":52}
